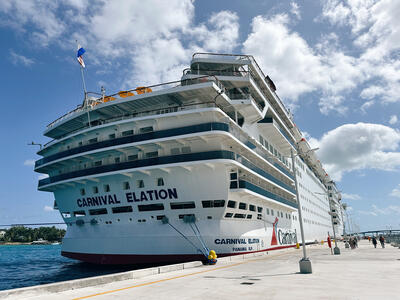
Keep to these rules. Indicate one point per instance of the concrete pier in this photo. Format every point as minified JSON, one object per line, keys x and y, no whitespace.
{"x":362,"y":273}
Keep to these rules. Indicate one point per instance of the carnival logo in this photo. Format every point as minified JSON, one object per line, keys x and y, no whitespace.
{"x":274,"y":241}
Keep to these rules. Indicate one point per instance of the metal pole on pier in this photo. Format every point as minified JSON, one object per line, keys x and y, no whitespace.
{"x":305,"y":262}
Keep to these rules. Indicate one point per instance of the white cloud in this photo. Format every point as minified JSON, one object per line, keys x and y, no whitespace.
{"x":351,"y":196}
{"x":376,"y":211}
{"x":396,"y":192}
{"x":148,"y":35}
{"x":48,"y":208}
{"x":375,"y":28}
{"x":29,"y":162}
{"x":299,"y":68}
{"x":295,"y":10}
{"x":393,"y":120}
{"x":39,"y":16}
{"x":359,"y":146}
{"x":18,"y":59}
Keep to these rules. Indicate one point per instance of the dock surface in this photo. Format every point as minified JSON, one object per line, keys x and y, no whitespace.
{"x":362,"y":273}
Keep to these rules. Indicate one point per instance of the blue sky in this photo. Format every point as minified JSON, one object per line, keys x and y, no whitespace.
{"x":336,"y":64}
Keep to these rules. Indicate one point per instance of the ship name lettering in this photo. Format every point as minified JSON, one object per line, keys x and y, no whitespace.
{"x":152,"y":195}
{"x":229,"y":241}
{"x":98,"y":200}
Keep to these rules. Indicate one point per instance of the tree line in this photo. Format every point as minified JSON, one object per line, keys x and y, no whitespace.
{"x":25,"y":234}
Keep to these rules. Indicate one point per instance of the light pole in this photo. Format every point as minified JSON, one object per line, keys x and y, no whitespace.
{"x":305,"y":262}
{"x":336,"y":250}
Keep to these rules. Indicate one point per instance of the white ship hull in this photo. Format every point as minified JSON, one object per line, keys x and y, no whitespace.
{"x":169,"y":172}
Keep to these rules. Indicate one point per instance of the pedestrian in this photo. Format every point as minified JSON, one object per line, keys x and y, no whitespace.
{"x":369,"y":239}
{"x":374,"y":241}
{"x":382,"y":241}
{"x":356,"y":242}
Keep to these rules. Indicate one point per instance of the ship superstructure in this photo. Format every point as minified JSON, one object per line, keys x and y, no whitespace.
{"x":167,"y":172}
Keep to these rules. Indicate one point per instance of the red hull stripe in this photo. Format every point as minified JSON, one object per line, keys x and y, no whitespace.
{"x":130,"y":259}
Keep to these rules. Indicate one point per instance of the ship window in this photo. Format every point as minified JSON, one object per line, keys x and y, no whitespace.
{"x":160,"y":217}
{"x":80,"y":143}
{"x":213,"y":203}
{"x":140,"y":183}
{"x":272,"y":212}
{"x":267,"y":211}
{"x":151,"y":207}
{"x":242,"y":205}
{"x":240,"y":216}
{"x":249,"y":216}
{"x":175,"y":151}
{"x":259,"y":209}
{"x":146,"y":129}
{"x":152,"y":154}
{"x":100,"y":211}
{"x":97,"y":163}
{"x":117,"y":160}
{"x":126,"y":185}
{"x":160,"y":181}
{"x":231,"y":204}
{"x":281,"y":214}
{"x":111,"y":136}
{"x":66,"y":215}
{"x":95,"y":190}
{"x":127,"y":132}
{"x":186,"y":150}
{"x":233,"y":185}
{"x":252,"y":207}
{"x":132,"y":157}
{"x":79,"y":213}
{"x":259,"y":217}
{"x":261,"y":140}
{"x":122,"y":209}
{"x":189,"y":216}
{"x":209,"y":217}
{"x":233,"y":176}
{"x":106,"y":188}
{"x":83,"y":192}
{"x":182,"y":205}
{"x":228,"y":215}
{"x":92,"y":141}
{"x":271,"y":148}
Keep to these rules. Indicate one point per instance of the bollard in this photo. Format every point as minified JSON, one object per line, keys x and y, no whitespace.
{"x":297,"y":246}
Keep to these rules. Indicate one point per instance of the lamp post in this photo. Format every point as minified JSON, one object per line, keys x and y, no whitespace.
{"x":336,"y":250}
{"x":305,"y":262}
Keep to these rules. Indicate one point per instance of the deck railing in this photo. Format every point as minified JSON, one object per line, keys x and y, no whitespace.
{"x":92,"y":102}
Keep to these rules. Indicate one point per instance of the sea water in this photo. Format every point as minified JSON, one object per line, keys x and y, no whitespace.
{"x":27,"y":265}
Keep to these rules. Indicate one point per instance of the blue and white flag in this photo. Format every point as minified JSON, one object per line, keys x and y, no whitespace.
{"x":79,"y":55}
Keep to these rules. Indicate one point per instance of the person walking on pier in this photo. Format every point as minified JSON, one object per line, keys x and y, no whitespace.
{"x":374,"y":241}
{"x":382,"y":241}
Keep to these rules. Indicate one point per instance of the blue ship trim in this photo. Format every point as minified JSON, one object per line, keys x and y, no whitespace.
{"x":135,"y":138}
{"x":190,"y":157}
{"x":256,"y":189}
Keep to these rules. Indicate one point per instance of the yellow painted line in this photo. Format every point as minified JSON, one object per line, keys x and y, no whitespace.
{"x":171,"y":278}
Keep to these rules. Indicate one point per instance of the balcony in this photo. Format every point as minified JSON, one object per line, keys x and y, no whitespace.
{"x":277,"y":135}
{"x":245,"y":186}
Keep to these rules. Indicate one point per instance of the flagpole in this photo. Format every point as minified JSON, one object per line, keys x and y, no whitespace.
{"x":83,"y":78}
{"x":84,"y":84}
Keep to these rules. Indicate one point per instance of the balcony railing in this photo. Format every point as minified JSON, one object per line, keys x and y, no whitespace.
{"x":254,"y":188}
{"x":92,"y":102}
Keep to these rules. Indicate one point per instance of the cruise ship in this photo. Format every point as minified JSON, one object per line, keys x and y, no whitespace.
{"x":165,"y":173}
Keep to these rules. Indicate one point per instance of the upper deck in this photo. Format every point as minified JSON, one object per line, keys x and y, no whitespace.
{"x":137,"y":102}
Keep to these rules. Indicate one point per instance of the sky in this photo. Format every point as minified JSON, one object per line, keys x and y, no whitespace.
{"x":336,"y":65}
